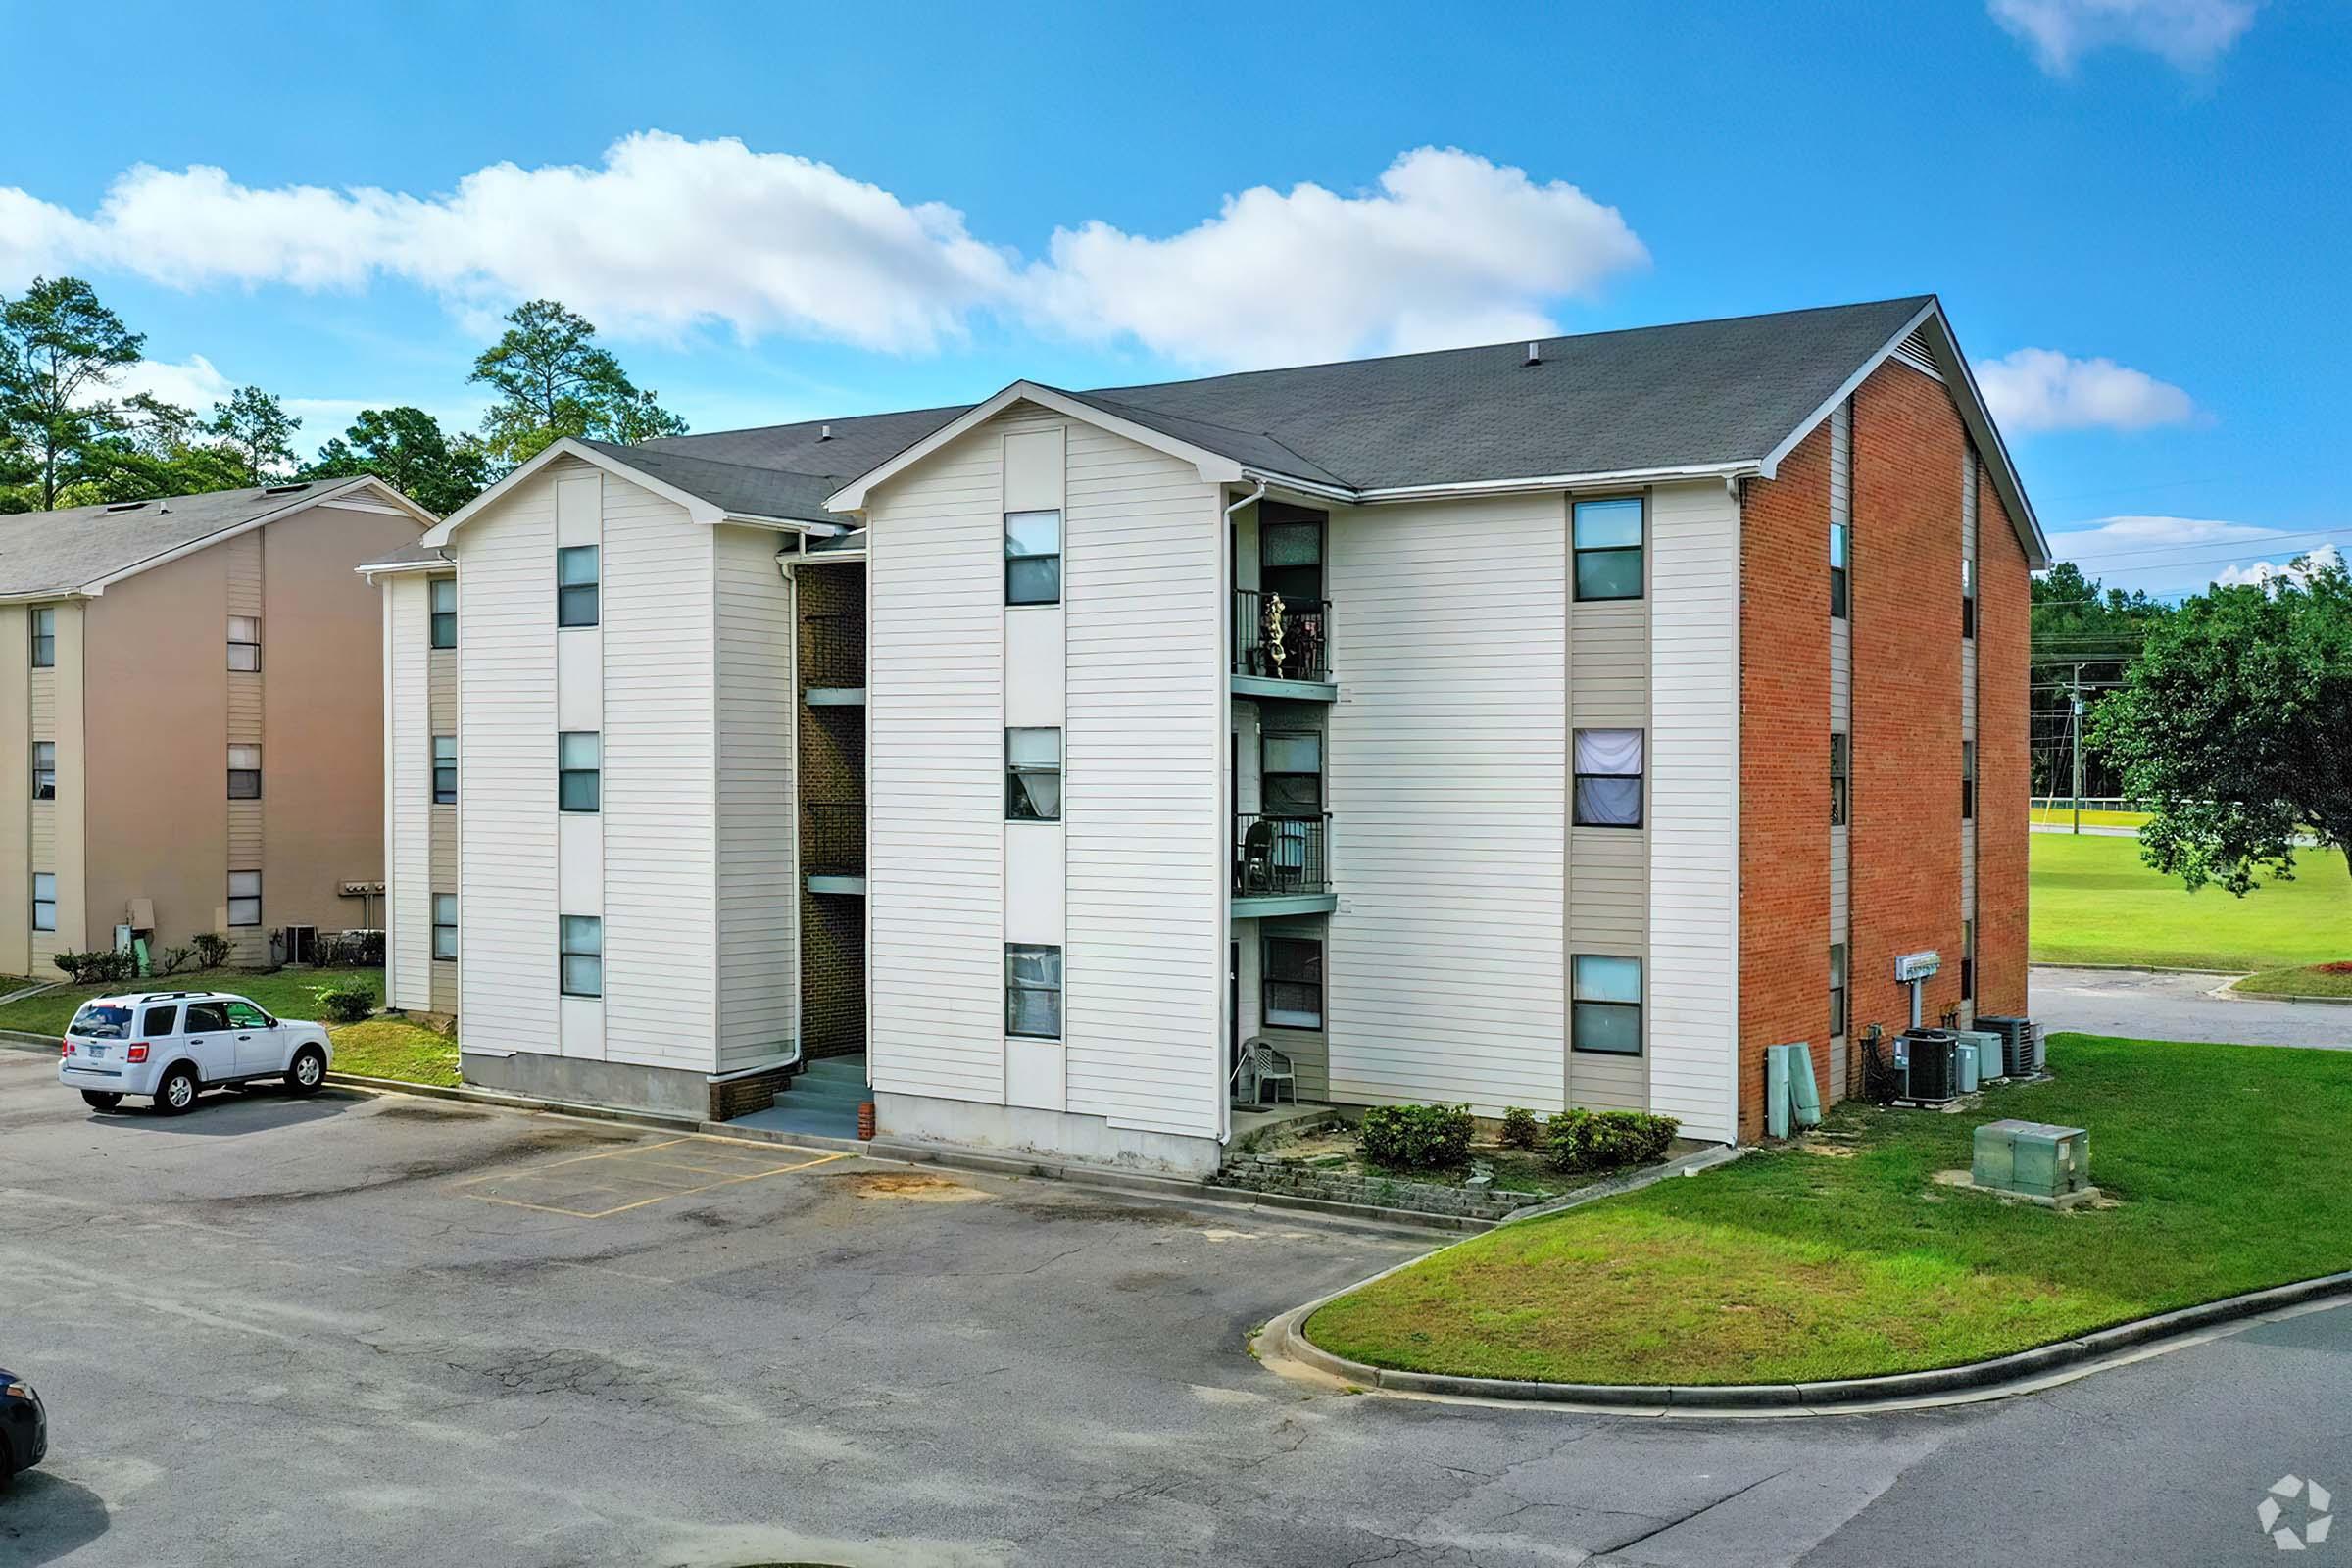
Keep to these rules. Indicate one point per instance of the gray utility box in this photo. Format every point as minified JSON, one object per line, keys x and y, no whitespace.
{"x":2033,"y":1160}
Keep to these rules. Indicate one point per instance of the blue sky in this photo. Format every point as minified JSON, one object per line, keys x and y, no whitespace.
{"x":2135,"y":208}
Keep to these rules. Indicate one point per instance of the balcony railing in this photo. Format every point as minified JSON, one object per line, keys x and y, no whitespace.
{"x":833,"y":837}
{"x":1280,"y":857}
{"x":1281,"y":639}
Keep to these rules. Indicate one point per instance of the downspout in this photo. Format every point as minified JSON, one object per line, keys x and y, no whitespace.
{"x":1225,"y":828}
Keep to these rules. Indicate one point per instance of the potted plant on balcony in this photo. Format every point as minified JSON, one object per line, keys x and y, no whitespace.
{"x":1274,"y":627}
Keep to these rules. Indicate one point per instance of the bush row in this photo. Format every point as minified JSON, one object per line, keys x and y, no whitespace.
{"x":1438,"y":1136}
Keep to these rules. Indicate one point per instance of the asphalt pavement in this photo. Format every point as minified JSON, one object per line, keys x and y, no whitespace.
{"x":2138,"y":1005}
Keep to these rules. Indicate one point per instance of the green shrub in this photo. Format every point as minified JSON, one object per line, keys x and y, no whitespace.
{"x":171,"y":961}
{"x":1415,"y":1136}
{"x":1519,"y":1128}
{"x":98,"y":966}
{"x":212,"y":950}
{"x":1607,"y":1139}
{"x":347,"y":1003}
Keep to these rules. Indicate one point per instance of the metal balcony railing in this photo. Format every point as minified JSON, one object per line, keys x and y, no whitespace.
{"x":1278,"y":856}
{"x":833,"y":837}
{"x":1279,"y":638}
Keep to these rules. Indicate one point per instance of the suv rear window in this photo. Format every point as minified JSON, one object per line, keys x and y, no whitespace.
{"x":98,"y":1022}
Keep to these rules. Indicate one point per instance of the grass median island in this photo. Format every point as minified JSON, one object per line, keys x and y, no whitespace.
{"x":1846,"y":1259}
{"x":2310,"y":980}
{"x":2094,"y":901}
{"x":396,"y":1048}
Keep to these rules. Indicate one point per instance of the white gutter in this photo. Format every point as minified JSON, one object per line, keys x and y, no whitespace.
{"x":1606,"y":480}
{"x":1255,"y":495}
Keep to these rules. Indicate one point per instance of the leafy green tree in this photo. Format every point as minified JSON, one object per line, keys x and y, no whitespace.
{"x":2081,"y":628}
{"x":553,"y":382}
{"x":406,"y":449}
{"x":60,"y":352}
{"x":255,"y":424}
{"x":2235,"y":728}
{"x":158,"y":450}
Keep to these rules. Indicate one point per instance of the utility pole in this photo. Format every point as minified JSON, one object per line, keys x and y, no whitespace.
{"x":2078,"y":728}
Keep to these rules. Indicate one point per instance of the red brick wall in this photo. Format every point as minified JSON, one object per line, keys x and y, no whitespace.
{"x":1785,"y":768}
{"x":2003,"y":785}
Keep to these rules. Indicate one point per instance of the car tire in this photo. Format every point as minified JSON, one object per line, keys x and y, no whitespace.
{"x":176,"y":1094}
{"x":101,"y":1098}
{"x":308,"y":1071}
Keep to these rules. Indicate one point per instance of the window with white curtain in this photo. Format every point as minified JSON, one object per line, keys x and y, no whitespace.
{"x":1033,"y":775}
{"x":1608,"y":778}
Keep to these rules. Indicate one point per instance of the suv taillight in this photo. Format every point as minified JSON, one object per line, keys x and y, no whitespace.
{"x":65,"y":1047}
{"x":137,"y":1051}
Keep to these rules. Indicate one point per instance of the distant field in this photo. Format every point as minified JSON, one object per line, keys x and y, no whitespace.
{"x":2095,"y":903}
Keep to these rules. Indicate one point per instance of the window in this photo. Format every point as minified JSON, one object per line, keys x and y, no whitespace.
{"x":1608,"y":778}
{"x":1604,"y":1011}
{"x":159,"y":1020}
{"x":244,"y":643}
{"x":1968,"y":597}
{"x":445,"y":612}
{"x":579,"y":776}
{"x":1033,"y":775}
{"x":1032,"y":992}
{"x":444,"y":926}
{"x":1609,"y":548}
{"x":44,"y":638}
{"x":1289,"y":773}
{"x":1289,"y":553}
{"x":1842,"y":766}
{"x":244,"y":772}
{"x":582,"y":941}
{"x":575,"y":586}
{"x":445,"y":771}
{"x":245,"y":1015}
{"x":1292,"y":995}
{"x":44,"y":901}
{"x":1033,"y":558}
{"x":1967,"y":781}
{"x":44,"y":770}
{"x":207,"y":1018}
{"x":1968,"y":961}
{"x":244,"y":897}
{"x":1837,"y":987}
{"x":1839,"y":533}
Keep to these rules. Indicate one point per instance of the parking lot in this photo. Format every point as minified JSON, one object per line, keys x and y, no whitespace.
{"x":354,"y":1330}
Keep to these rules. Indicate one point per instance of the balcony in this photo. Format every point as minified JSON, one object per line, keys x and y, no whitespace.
{"x":1281,"y":865}
{"x":833,"y":846}
{"x":1282,"y":647}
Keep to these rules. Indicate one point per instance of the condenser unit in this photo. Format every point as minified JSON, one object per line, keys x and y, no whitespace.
{"x":1991,"y":1061}
{"x":1927,"y":1067}
{"x":2021,"y":1045}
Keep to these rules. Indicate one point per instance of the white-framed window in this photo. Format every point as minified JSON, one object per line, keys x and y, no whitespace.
{"x":1837,"y":987}
{"x":244,"y":642}
{"x":1841,"y":768}
{"x":44,"y":636}
{"x":576,"y":586}
{"x":44,"y":770}
{"x":444,"y":612}
{"x":244,"y":897}
{"x":1033,"y":775}
{"x":1290,"y":988}
{"x":1032,"y":991}
{"x":1604,"y":1008}
{"x":1033,"y":558}
{"x":445,"y":927}
{"x":1968,"y":597}
{"x":1840,"y":546}
{"x":1607,"y":542}
{"x":44,"y":901}
{"x":445,"y":771}
{"x":1608,"y":778}
{"x":244,"y":772}
{"x":1968,"y":961}
{"x":580,"y":942}
{"x":579,"y":770}
{"x":1967,"y":781}
{"x":1289,"y":773}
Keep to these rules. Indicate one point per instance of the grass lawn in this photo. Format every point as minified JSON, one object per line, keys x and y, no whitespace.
{"x":395,"y":1048}
{"x":286,"y":993}
{"x":2310,"y":980}
{"x":2095,"y":903}
{"x":2064,"y":816}
{"x":1845,"y":1259}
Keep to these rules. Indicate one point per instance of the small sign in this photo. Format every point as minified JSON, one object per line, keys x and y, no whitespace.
{"x":1917,"y":965}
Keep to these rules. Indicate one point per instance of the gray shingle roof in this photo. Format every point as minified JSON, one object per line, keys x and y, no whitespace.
{"x":59,"y":552}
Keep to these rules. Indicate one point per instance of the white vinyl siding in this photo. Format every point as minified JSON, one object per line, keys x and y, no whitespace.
{"x":1144,"y":967}
{"x":1693,"y":972}
{"x":1447,"y":777}
{"x":408,"y":796}
{"x":441,"y":714}
{"x":935,"y":763}
{"x":758,"y":947}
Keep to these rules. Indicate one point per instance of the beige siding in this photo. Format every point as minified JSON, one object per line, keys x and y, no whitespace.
{"x":58,"y":839}
{"x":408,"y":812}
{"x":1309,"y":1049}
{"x":1609,"y":662}
{"x":1692,"y":975}
{"x":1144,"y":961}
{"x":758,"y":945}
{"x":15,"y":792}
{"x":1448,"y":779}
{"x":44,"y":855}
{"x":1609,"y":868}
{"x":441,"y":719}
{"x":934,"y":761}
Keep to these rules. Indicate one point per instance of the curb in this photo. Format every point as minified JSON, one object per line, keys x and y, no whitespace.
{"x":2237,"y":994}
{"x":2126,"y":969}
{"x":2004,"y":1377}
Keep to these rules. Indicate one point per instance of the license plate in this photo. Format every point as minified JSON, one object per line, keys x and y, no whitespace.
{"x":93,"y":1051}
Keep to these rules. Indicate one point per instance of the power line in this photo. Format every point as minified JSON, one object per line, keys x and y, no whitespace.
{"x":2271,"y":543}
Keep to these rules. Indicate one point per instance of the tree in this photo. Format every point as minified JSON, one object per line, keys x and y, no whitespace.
{"x":255,"y":425}
{"x":60,"y":350}
{"x":554,"y":381}
{"x":2086,"y":631}
{"x":155,"y":451}
{"x":2234,"y":726}
{"x":406,"y":449}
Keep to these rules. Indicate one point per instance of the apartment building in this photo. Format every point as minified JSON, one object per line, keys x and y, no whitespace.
{"x":190,"y":730}
{"x":1540,"y":724}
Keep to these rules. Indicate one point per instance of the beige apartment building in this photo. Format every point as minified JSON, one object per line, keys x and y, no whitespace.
{"x":191,"y":718}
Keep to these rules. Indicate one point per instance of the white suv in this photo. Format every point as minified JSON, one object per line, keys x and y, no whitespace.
{"x":172,"y":1043}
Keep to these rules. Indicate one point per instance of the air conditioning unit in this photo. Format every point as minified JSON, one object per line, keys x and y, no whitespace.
{"x":1927,"y":1067}
{"x":1992,"y":1062}
{"x":2021,"y":1045}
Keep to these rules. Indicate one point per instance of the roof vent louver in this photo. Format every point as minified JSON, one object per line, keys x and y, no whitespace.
{"x":1914,"y":350}
{"x":126,"y":506}
{"x":286,"y":489}
{"x":824,"y":433}
{"x":1535,"y":352}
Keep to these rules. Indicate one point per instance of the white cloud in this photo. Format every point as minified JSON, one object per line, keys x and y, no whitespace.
{"x":2135,"y":535}
{"x":2042,"y":389}
{"x":2190,"y":33}
{"x":1449,"y":249}
{"x":666,"y":236}
{"x":2267,"y":574}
